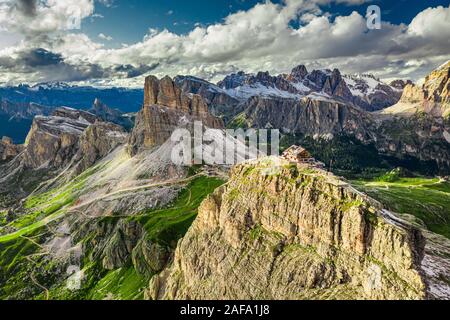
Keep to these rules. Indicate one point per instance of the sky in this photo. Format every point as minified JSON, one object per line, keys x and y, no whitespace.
{"x":119,"y":42}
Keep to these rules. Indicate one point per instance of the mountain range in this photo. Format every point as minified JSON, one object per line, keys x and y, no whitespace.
{"x":90,"y":209}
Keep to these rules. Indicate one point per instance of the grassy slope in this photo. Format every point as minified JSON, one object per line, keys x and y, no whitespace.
{"x":426,"y":199}
{"x":165,"y":226}
{"x":17,"y":252}
{"x":43,"y":208}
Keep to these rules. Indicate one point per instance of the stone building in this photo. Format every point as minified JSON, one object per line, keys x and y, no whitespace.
{"x":298,"y":154}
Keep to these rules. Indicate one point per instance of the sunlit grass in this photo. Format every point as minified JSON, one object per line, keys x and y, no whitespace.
{"x":425,"y":198}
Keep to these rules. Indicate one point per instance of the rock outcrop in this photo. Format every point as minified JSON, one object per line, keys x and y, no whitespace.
{"x":400,"y":84}
{"x":279,"y":230}
{"x":363,"y":91}
{"x":307,"y":117}
{"x":9,"y":150}
{"x":70,"y":136}
{"x":97,"y":141}
{"x":433,"y":97}
{"x":219,"y":103}
{"x":437,"y":90}
{"x":167,"y":107}
{"x":53,"y":141}
{"x":412,"y":94}
{"x":108,"y":114}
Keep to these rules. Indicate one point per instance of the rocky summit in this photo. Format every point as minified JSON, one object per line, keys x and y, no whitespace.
{"x":167,"y":107}
{"x":363,"y":91}
{"x":8,"y":150}
{"x":281,"y":230}
{"x":432,"y":97}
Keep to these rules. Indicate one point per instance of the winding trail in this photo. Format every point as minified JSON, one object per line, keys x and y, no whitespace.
{"x":68,"y":210}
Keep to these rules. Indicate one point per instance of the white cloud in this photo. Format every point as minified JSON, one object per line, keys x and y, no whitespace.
{"x":105,"y":37}
{"x":262,"y":38}
{"x":432,"y":23}
{"x":37,"y":17}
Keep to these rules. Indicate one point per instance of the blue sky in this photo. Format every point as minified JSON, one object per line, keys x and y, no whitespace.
{"x":119,"y":42}
{"x":127,"y":21}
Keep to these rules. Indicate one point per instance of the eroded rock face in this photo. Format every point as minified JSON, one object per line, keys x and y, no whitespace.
{"x":363,"y":91}
{"x":167,"y":107}
{"x":437,"y":89}
{"x":307,"y":116}
{"x":434,"y":96}
{"x":108,"y":114}
{"x":53,"y":141}
{"x":295,"y":233}
{"x":419,"y":137}
{"x":219,"y":103}
{"x":97,"y":141}
{"x":9,"y":150}
{"x":121,"y":243}
{"x":412,"y":94}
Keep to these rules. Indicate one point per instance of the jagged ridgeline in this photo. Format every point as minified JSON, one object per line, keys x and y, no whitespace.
{"x":82,"y":216}
{"x":91,"y":211}
{"x":342,"y":117}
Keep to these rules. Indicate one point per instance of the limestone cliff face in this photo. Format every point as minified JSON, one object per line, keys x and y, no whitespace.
{"x":437,"y":89}
{"x":412,"y":94}
{"x":97,"y":141}
{"x":9,"y":150}
{"x":419,"y":136}
{"x":166,"y":107}
{"x":307,"y":116}
{"x":416,"y":136}
{"x":292,"y":233}
{"x":219,"y":103}
{"x":434,"y":95}
{"x":53,"y":141}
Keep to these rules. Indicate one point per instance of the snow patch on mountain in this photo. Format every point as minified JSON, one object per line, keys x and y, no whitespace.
{"x":245,"y":92}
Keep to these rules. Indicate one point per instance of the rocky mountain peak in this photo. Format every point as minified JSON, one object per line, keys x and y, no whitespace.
{"x":8,"y":149}
{"x":299,"y":72}
{"x":292,"y":231}
{"x":166,"y":92}
{"x":107,"y":114}
{"x":53,"y":140}
{"x":233,"y":80}
{"x":167,"y":107}
{"x":336,"y":86}
{"x":437,"y":85}
{"x":364,"y":91}
{"x":434,"y":95}
{"x":400,"y":84}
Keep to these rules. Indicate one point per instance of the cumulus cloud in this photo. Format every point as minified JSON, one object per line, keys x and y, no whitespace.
{"x":42,"y":64}
{"x":32,"y":17}
{"x":105,"y":37}
{"x":261,"y":38}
